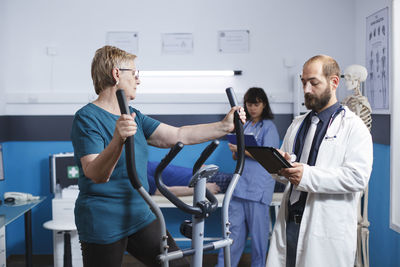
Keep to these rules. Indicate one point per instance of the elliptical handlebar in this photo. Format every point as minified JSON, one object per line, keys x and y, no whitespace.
{"x":235,"y":178}
{"x":204,"y":155}
{"x":199,"y":210}
{"x":203,"y":208}
{"x":238,"y":130}
{"x":134,"y":179}
{"x":129,"y":144}
{"x":163,"y":189}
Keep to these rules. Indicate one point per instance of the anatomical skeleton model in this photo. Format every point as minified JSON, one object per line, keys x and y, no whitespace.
{"x":354,"y":76}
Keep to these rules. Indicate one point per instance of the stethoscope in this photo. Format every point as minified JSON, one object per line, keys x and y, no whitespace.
{"x":327,"y":137}
{"x":258,"y":125}
{"x":339,"y":110}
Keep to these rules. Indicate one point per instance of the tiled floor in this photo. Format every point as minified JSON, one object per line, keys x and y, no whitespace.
{"x":47,"y":261}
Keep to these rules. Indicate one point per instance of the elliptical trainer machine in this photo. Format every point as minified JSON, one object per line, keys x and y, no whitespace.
{"x":204,"y":202}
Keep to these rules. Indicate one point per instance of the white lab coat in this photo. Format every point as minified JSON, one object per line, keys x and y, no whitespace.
{"x":328,"y":230}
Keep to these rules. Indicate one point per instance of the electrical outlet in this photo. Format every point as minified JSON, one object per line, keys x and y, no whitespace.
{"x":51,"y":51}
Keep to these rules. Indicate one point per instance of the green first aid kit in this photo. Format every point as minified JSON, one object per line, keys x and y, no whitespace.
{"x":63,"y":171}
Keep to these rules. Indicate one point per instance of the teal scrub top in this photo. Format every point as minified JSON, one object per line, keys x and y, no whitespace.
{"x":108,"y":212}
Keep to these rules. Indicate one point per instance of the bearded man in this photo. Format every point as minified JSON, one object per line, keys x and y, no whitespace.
{"x":317,"y":221}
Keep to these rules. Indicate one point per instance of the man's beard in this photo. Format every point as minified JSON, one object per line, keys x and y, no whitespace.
{"x":317,"y":103}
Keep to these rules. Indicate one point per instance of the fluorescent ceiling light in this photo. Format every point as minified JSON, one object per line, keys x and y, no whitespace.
{"x":188,"y":73}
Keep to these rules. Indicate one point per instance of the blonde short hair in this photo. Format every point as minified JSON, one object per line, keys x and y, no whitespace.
{"x":104,"y":61}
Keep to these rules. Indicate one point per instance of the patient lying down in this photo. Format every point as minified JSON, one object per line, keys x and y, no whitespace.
{"x":177,"y":178}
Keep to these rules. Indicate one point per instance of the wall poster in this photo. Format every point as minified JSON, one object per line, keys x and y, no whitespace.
{"x":377,"y":48}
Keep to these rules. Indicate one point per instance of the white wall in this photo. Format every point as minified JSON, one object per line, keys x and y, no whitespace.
{"x":2,"y":56}
{"x":292,"y":31}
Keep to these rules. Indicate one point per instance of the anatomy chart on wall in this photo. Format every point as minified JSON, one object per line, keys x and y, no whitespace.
{"x":377,"y":48}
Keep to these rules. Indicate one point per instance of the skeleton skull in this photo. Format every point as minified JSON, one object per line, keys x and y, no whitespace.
{"x":354,"y":75}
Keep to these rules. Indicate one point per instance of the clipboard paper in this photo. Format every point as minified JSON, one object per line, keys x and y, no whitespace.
{"x":249,"y":139}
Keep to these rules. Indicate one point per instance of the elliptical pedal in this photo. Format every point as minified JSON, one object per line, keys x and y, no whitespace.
{"x":186,"y":228}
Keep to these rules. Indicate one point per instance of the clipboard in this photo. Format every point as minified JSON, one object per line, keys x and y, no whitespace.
{"x":269,"y":158}
{"x":249,"y":139}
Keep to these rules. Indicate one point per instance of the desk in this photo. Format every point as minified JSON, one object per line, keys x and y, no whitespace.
{"x":11,"y":212}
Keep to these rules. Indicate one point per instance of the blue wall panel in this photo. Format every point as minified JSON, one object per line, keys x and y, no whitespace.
{"x":26,"y":169}
{"x":384,"y":242}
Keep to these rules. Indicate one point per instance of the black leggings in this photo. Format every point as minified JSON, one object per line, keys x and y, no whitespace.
{"x":144,"y":245}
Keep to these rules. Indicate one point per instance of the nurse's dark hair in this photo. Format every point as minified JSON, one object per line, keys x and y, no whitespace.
{"x":104,"y":61}
{"x":256,"y":95}
{"x":329,"y":66}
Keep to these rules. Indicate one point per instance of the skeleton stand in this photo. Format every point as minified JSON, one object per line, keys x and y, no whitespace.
{"x":359,"y":104}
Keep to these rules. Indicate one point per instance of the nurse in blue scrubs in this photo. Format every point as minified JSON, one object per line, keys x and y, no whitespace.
{"x":249,"y":207}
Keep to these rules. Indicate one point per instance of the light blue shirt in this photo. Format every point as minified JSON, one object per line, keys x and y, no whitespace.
{"x":256,"y":184}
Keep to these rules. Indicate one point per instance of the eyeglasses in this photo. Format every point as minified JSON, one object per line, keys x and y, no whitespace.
{"x":135,"y":73}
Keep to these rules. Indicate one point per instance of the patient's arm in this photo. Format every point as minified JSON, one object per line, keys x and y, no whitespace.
{"x":233,"y":148}
{"x":213,"y":188}
{"x":181,"y":191}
